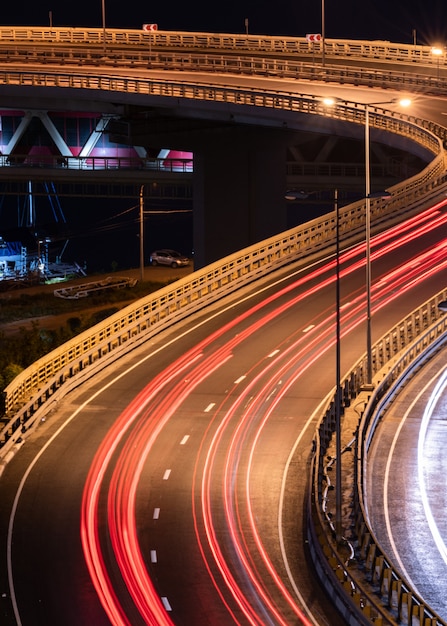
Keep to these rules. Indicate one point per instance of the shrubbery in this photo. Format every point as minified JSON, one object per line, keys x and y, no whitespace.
{"x":20,"y":349}
{"x":23,"y":348}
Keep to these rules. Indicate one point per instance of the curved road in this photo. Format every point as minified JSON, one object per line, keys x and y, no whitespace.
{"x":173,"y":486}
{"x":407,"y":496}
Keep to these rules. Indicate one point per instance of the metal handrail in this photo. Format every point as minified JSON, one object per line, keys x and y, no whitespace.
{"x":138,"y":322}
{"x":370,"y":575}
{"x":280,"y":106}
{"x":271,"y":44}
{"x":52,"y":376}
{"x":97,"y":163}
{"x":181,"y":165}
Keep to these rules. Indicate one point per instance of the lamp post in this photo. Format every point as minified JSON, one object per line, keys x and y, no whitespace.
{"x":437,"y":52}
{"x":303,"y":195}
{"x":103,"y":7}
{"x":323,"y":33}
{"x":141,"y":234}
{"x":368,"y":249}
{"x":368,"y":196}
{"x":338,"y":493}
{"x":383,"y":194}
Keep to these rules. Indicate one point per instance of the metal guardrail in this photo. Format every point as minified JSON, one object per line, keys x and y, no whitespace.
{"x":372,"y":63}
{"x":186,"y":166}
{"x":97,"y":163}
{"x":86,"y":289}
{"x":276,"y":105}
{"x":48,"y":379}
{"x":365,"y":584}
{"x":52,"y":375}
{"x":267,"y":44}
{"x":397,"y":77}
{"x":396,"y":170}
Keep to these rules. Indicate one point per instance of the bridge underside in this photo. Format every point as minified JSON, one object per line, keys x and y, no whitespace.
{"x":240,"y":171}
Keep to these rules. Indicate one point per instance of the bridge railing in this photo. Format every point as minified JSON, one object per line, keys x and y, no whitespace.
{"x":356,"y":572}
{"x":394,"y":170}
{"x":32,"y":388}
{"x":56,"y":373}
{"x":393,"y":77}
{"x":408,"y":67}
{"x":269,"y":44}
{"x":97,"y":163}
{"x":279,"y":106}
{"x":37,"y":384}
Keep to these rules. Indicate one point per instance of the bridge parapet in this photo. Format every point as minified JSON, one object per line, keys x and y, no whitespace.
{"x":372,"y":63}
{"x":270,"y":44}
{"x":32,"y":392}
{"x":267,"y":108}
{"x":356,"y":572}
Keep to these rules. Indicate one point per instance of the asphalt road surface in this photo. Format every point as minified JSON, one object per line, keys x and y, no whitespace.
{"x":174,"y":484}
{"x":407,"y":499}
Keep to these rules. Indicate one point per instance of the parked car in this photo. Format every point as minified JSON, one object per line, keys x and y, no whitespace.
{"x":168,"y":257}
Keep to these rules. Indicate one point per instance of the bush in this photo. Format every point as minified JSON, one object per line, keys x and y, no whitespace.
{"x":10,"y":372}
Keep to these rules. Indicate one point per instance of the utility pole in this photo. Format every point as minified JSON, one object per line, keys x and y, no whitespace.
{"x":141,"y":234}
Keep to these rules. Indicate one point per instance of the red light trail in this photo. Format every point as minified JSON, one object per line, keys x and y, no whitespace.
{"x":238,"y":564}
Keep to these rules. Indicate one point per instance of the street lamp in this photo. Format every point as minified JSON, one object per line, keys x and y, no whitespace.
{"x":404,"y":102}
{"x":103,"y":7}
{"x":303,"y":195}
{"x":338,"y":493}
{"x":368,"y":196}
{"x":323,"y":33}
{"x":142,"y":234}
{"x":437,"y":52}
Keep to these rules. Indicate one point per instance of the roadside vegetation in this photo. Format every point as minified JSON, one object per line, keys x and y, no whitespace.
{"x":23,"y":347}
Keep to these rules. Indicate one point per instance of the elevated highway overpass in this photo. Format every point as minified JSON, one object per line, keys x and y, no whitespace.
{"x":237,"y":107}
{"x":48,"y":380}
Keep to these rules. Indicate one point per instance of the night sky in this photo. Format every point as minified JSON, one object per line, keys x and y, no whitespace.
{"x":345,"y":19}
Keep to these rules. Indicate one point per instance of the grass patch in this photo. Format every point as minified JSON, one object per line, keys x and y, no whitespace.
{"x":26,"y":306}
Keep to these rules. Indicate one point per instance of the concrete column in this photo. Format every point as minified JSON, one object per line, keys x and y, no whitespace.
{"x":239,"y":187}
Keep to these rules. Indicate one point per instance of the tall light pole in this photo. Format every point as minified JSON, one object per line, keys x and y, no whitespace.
{"x":368,"y":248}
{"x":338,"y":493}
{"x":323,"y":33}
{"x":141,"y":234}
{"x":104,"y":25}
{"x":437,"y":51}
{"x":303,"y":195}
{"x":403,"y":102}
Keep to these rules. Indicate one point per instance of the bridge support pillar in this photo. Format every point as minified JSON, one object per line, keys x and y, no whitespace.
{"x":239,"y":188}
